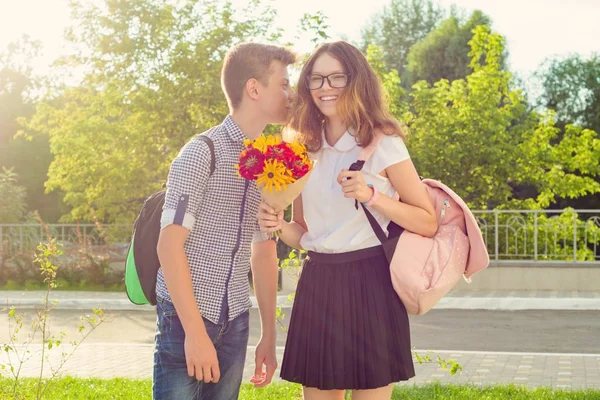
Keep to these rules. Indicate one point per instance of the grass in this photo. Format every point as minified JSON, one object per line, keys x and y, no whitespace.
{"x":81,"y":389}
{"x":126,"y":389}
{"x":63,"y":285}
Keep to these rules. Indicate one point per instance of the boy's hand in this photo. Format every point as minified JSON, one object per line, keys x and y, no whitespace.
{"x":201,"y":358}
{"x":264,"y":355}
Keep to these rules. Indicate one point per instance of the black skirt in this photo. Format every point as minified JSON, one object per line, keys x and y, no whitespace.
{"x":348,"y":328}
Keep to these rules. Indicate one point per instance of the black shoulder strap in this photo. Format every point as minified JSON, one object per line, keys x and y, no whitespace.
{"x":211,"y":146}
{"x":357,"y":166}
{"x":394,"y":230}
{"x":375,"y":225}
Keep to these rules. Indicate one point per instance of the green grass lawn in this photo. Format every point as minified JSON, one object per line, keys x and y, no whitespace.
{"x":63,"y":285}
{"x":127,"y":389}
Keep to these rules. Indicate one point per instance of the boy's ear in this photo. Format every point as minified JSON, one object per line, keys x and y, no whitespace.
{"x":252,"y":88}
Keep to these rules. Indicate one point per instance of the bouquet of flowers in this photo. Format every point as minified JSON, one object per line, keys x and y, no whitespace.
{"x":280,"y":169}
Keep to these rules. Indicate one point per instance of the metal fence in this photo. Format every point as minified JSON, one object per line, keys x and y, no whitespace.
{"x":533,"y":235}
{"x":541,"y":235}
{"x":24,"y":238}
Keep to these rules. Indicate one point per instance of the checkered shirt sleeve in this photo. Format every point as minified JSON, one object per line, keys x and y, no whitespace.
{"x":186,"y":185}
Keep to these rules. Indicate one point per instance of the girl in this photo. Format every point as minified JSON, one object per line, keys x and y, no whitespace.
{"x":348,"y":328}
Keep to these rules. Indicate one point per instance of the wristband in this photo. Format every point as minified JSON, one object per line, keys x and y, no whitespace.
{"x":373,"y":198}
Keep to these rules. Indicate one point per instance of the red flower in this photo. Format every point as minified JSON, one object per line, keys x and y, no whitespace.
{"x":280,"y":152}
{"x":252,"y":163}
{"x":298,"y":167}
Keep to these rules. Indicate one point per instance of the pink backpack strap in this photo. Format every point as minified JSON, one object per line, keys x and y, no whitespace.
{"x":367,"y":152}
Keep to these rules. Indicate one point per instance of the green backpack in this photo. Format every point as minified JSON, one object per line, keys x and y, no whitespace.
{"x":142,"y":264}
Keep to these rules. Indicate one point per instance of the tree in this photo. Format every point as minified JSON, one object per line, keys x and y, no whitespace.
{"x":444,"y":53}
{"x":16,"y":83}
{"x":13,"y":208}
{"x":315,"y":25}
{"x":28,"y":155}
{"x":478,"y":136}
{"x":571,"y":87}
{"x":153,"y":83}
{"x":398,"y":27}
{"x":390,"y":80}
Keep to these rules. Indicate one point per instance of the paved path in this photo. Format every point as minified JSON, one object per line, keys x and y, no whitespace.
{"x":456,"y":300}
{"x":492,"y":337}
{"x":582,"y":371}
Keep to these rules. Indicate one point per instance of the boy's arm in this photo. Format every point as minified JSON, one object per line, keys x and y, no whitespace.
{"x":200,"y":354}
{"x":176,"y":271}
{"x":186,"y":184}
{"x":265,"y":276}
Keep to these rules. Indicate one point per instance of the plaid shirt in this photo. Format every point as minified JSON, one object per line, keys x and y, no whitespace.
{"x":220,"y":214}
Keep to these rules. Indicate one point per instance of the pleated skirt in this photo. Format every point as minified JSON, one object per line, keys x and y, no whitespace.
{"x":348,"y":327}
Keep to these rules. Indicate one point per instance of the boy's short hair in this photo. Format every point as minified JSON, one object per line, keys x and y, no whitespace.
{"x":246,"y":61}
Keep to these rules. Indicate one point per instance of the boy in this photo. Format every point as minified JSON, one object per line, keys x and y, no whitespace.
{"x":210,"y":236}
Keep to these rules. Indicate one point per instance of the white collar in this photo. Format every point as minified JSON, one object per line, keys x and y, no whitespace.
{"x":346,"y":143}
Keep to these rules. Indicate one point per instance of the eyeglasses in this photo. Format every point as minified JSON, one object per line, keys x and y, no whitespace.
{"x":335,"y":80}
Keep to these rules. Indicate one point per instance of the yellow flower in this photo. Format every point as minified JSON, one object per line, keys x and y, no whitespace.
{"x":275,"y":175}
{"x":263,"y":141}
{"x":298,"y":148}
{"x":306,"y":160}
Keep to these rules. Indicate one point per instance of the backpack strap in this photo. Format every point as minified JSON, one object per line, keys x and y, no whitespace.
{"x":375,"y":225}
{"x":367,"y":152}
{"x":211,"y":146}
{"x":363,"y":157}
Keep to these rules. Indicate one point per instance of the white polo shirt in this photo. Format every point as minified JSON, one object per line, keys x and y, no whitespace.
{"x":334,"y":224}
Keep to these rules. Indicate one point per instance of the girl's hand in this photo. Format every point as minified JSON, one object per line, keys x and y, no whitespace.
{"x":354,"y":186}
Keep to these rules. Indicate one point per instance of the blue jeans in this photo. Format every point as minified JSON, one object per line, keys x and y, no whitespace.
{"x":171,"y":380}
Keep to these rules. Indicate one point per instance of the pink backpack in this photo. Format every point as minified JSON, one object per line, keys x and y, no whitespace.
{"x":423,"y":269}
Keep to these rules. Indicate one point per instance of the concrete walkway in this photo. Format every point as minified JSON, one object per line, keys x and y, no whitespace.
{"x":577,"y":371}
{"x":135,"y":360}
{"x":456,"y":300}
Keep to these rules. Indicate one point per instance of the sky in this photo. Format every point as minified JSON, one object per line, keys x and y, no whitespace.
{"x":534,"y":29}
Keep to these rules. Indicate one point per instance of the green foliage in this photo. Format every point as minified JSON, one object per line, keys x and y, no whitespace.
{"x":27,"y":155}
{"x":451,"y":366}
{"x":390,"y":80}
{"x":315,"y":25}
{"x":16,"y":85}
{"x":559,"y":164}
{"x":400,"y":25}
{"x":444,"y":53}
{"x":152,"y":85}
{"x":13,"y":207}
{"x":19,"y":351}
{"x":541,"y":236}
{"x":30,"y":157}
{"x":477,"y":135}
{"x":571,"y":87}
